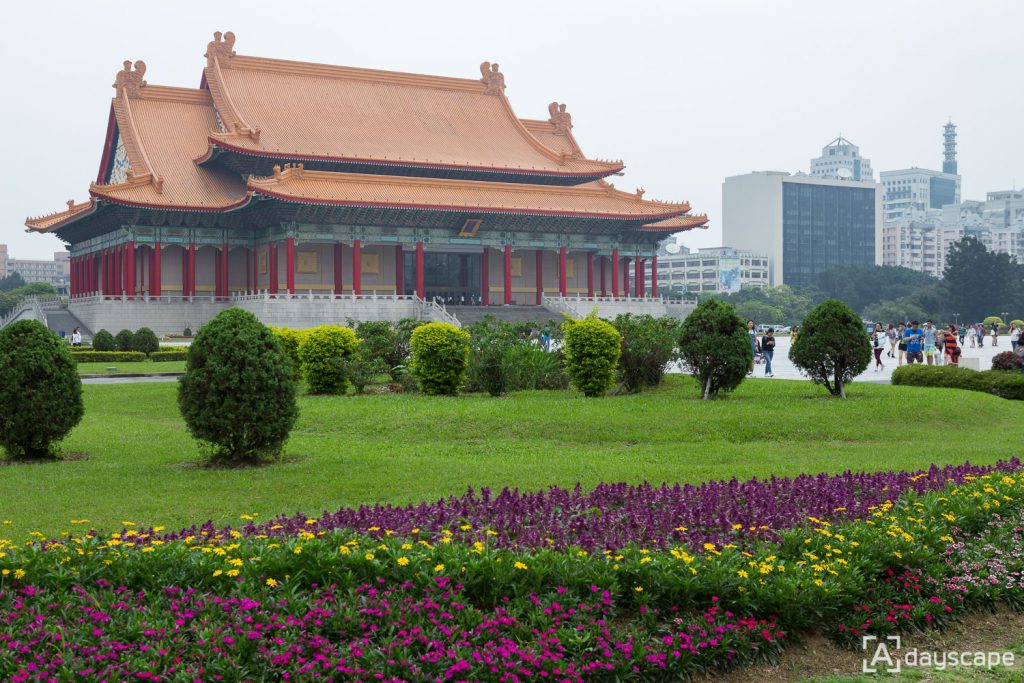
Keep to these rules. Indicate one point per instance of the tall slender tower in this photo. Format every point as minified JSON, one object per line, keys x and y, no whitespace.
{"x":949,"y":148}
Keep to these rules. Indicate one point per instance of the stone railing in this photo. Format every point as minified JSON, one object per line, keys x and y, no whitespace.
{"x":561,"y":305}
{"x":431,"y":309}
{"x":37,"y":305}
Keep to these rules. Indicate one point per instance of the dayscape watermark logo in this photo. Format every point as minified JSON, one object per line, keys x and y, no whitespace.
{"x":887,"y":656}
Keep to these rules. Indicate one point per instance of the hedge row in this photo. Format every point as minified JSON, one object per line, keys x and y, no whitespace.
{"x":127,"y":356}
{"x":1002,"y":383}
{"x":176,"y":354}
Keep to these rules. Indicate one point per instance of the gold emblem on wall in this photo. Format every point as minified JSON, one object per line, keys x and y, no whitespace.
{"x":517,"y":266}
{"x":262,"y":262}
{"x":470,"y":228}
{"x":306,"y":262}
{"x":570,"y":269}
{"x":369,"y":264}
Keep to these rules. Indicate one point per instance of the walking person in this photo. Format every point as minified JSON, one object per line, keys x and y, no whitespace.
{"x":879,"y":338}
{"x":995,"y":334}
{"x":928,"y":339}
{"x":768,"y":350}
{"x":891,"y":334}
{"x":901,"y":346}
{"x":752,"y":333}
{"x":940,"y":345}
{"x":962,"y":332}
{"x":952,"y":347}
{"x":1014,"y":336}
{"x":76,"y":337}
{"x":913,"y":337}
{"x":980,"y":332}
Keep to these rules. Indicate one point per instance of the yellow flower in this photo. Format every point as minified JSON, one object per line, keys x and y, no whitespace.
{"x":19,"y":573}
{"x":370,"y":556}
{"x":737,"y":527}
{"x":407,"y":546}
{"x":644,"y":560}
{"x":743,"y":574}
{"x":638,"y":589}
{"x":709,"y":546}
{"x":238,"y":562}
{"x":681,"y":528}
{"x":5,"y":572}
{"x":439,"y":568}
{"x":311,"y":521}
{"x":298,"y":550}
{"x":403,"y":561}
{"x":520,"y":565}
{"x":272,"y":583}
{"x":232,"y":572}
{"x":217,"y":572}
{"x":127,"y":523}
{"x":818,"y":582}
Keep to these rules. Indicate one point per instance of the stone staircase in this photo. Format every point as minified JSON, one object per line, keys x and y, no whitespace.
{"x":468,"y":315}
{"x":62,"y":320}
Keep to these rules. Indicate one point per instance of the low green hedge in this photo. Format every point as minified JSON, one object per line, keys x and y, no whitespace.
{"x":177,"y":354}
{"x":108,"y":356}
{"x":164,"y":347}
{"x":1006,"y":384}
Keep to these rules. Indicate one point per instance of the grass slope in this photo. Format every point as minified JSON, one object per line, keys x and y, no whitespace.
{"x":141,"y":463}
{"x":136,"y":366}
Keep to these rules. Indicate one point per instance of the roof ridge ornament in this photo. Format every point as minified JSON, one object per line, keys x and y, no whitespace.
{"x":492,"y":78}
{"x":220,"y":49}
{"x":130,"y":82}
{"x":560,"y":118}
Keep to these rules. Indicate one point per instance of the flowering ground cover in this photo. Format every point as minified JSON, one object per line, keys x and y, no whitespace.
{"x":315,"y":600}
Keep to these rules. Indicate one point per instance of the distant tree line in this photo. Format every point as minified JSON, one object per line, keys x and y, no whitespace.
{"x":14,"y":289}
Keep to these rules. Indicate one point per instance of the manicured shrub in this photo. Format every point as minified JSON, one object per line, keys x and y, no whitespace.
{"x":238,"y":393}
{"x":187,"y":332}
{"x":648,"y":347}
{"x":1008,"y":385}
{"x":163,"y":356}
{"x":714,"y":347}
{"x":103,"y":341}
{"x":145,"y":340}
{"x":440,"y":355}
{"x":360,"y":368}
{"x":993,"y":320}
{"x":108,"y":356}
{"x":490,"y":356}
{"x":832,"y":347}
{"x":290,"y":341}
{"x":40,"y":392}
{"x":124,"y":340}
{"x":387,"y":342}
{"x":322,"y":352}
{"x":592,"y":350}
{"x":1007,"y":360}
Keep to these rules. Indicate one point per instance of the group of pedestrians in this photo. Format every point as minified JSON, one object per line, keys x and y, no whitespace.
{"x":916,"y":344}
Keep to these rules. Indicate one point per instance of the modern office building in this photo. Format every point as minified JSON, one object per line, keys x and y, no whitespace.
{"x":997,"y":222}
{"x":841,"y":160}
{"x":805,"y":225}
{"x":910,"y":192}
{"x":715,"y":269}
{"x":57,"y":271}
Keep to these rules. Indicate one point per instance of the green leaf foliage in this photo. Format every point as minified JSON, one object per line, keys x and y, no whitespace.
{"x":387,"y":342}
{"x":592,"y":350}
{"x":145,"y":340}
{"x":1002,"y":383}
{"x":490,"y":356}
{"x":648,"y":347}
{"x":290,"y":341}
{"x":832,"y":347}
{"x":177,"y":354}
{"x":124,"y":341}
{"x":40,"y":391}
{"x":103,"y":341}
{"x":322,"y":351}
{"x":110,"y":356}
{"x":715,"y":347}
{"x":238,"y":393}
{"x":440,"y":356}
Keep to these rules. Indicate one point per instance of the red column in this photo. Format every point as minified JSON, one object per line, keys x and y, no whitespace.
{"x":105,"y":271}
{"x":154,"y":271}
{"x":338,"y":287}
{"x":129,"y":268}
{"x":604,"y":289}
{"x":399,"y":270}
{"x":540,"y":276}
{"x":615,"y":272}
{"x":639,"y":288}
{"x":654,"y":276}
{"x":224,"y":254}
{"x":485,"y":277}
{"x":184,"y":271}
{"x":118,"y":255}
{"x":625,"y":277}
{"x":289,"y":264}
{"x":255,"y":267}
{"x":191,"y":268}
{"x":420,"y":291}
{"x":590,"y":273}
{"x":561,"y":271}
{"x":508,"y":274}
{"x":272,"y":267}
{"x":357,"y":268}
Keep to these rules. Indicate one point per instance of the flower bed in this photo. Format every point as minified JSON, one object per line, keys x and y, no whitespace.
{"x":464,"y":603}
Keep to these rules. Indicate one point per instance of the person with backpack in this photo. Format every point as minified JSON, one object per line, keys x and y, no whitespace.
{"x":768,"y":351}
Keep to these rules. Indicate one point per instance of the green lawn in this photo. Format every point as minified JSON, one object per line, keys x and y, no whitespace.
{"x":137,"y":366}
{"x":141,"y":463}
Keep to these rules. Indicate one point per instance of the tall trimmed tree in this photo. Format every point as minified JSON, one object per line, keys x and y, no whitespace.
{"x":833,"y":347}
{"x":40,"y":391}
{"x":715,"y":347}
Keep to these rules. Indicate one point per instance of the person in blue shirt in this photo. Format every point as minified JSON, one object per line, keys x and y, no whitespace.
{"x":914,"y":338}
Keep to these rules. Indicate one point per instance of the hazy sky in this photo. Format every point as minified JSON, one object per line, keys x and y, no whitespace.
{"x":685,"y":92}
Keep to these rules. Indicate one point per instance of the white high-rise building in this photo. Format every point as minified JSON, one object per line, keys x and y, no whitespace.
{"x":841,"y":160}
{"x":913,"y":191}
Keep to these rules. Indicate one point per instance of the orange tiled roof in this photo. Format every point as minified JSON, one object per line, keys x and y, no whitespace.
{"x":544,"y":131}
{"x":55,"y":220}
{"x":163,"y":128}
{"x":359,"y":189}
{"x":678,"y":223}
{"x":302,"y":111}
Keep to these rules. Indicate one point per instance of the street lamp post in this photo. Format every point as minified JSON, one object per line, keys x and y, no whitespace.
{"x":957,"y":316}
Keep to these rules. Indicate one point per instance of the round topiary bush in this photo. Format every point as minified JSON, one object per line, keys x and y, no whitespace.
{"x":40,"y":391}
{"x":124,"y":340}
{"x":145,"y":340}
{"x":290,"y":341}
{"x":322,"y":353}
{"x":103,"y":341}
{"x":592,"y":350}
{"x":440,"y":357}
{"x":714,"y":347}
{"x":833,"y":346}
{"x":1007,"y":360}
{"x":238,"y":394}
